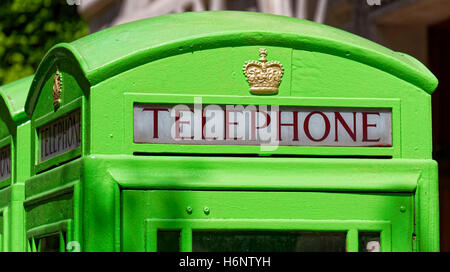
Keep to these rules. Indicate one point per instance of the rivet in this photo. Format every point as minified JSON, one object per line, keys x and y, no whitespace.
{"x":189,"y":209}
{"x":402,"y":208}
{"x":206,"y":210}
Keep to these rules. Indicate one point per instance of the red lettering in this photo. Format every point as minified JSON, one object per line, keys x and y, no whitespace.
{"x":227,"y":124}
{"x":338,"y":117}
{"x":155,"y":119}
{"x":366,"y":126}
{"x":306,"y":126}
{"x":253,"y":123}
{"x":294,"y":124}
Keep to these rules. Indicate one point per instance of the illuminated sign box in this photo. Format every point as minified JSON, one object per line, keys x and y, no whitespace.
{"x":255,"y":125}
{"x":60,"y":136}
{"x":5,"y":162}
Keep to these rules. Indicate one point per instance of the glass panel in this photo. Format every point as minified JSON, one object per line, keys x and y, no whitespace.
{"x":49,"y":243}
{"x":268,"y":241}
{"x":168,"y":241}
{"x":369,"y":242}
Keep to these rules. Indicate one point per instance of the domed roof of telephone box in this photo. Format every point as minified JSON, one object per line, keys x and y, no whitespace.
{"x":14,"y":95}
{"x":109,"y":52}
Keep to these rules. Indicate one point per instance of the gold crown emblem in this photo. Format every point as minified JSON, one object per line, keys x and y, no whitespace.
{"x":56,"y":90}
{"x":264,"y":77}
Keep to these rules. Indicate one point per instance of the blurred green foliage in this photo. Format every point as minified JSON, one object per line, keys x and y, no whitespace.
{"x":29,"y":28}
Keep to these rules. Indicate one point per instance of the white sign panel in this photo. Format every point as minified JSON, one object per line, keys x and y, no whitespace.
{"x":261,"y":125}
{"x":60,"y":136}
{"x":5,"y":162}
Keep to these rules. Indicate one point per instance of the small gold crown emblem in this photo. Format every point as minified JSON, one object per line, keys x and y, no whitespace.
{"x":264,"y":77}
{"x":56,"y":90}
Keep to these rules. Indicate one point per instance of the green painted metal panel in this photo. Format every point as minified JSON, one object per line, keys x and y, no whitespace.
{"x":52,"y":202}
{"x":15,"y":94}
{"x":5,"y":197}
{"x":53,"y":210}
{"x":101,"y":218}
{"x":240,"y":173}
{"x":55,"y":178}
{"x":266,"y":210}
{"x":72,"y":87}
{"x":4,"y":131}
{"x":4,"y":230}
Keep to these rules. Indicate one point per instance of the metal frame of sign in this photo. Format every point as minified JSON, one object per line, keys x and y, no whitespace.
{"x":389,"y":104}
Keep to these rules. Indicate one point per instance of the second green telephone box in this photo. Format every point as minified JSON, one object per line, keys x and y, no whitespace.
{"x":15,"y":132}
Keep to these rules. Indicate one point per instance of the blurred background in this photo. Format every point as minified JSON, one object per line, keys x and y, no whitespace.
{"x":421,"y":28}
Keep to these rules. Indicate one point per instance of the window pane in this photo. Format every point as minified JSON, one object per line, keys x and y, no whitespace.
{"x":369,"y":242}
{"x":268,"y":241}
{"x":49,"y":243}
{"x":168,"y":241}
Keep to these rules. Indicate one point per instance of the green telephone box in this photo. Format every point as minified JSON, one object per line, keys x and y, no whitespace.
{"x":15,"y":132}
{"x":230,"y":131}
